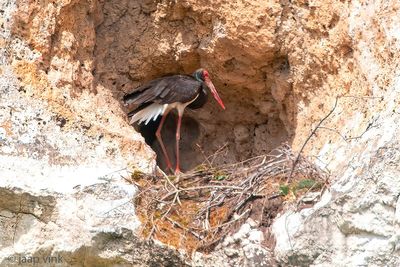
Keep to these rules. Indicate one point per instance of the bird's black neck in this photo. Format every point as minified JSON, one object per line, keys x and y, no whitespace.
{"x":201,"y":99}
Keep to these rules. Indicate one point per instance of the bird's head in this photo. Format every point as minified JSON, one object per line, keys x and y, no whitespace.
{"x":202,"y":76}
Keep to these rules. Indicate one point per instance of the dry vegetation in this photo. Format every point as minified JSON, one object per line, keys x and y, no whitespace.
{"x":197,"y":210}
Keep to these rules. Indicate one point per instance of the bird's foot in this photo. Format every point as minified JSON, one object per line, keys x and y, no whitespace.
{"x":178,"y":171}
{"x":178,"y":174}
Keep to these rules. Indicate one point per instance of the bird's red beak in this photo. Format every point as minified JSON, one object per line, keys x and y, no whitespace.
{"x":214,"y":91}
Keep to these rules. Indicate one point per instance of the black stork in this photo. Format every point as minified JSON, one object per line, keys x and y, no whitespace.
{"x":160,"y":96}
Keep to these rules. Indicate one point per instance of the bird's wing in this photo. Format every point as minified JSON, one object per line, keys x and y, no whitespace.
{"x":165,"y":90}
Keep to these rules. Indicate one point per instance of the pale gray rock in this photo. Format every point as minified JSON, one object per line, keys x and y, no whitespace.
{"x":79,"y":222}
{"x":356,"y":221}
{"x":242,"y":248}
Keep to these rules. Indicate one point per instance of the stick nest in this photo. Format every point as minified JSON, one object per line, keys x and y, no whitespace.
{"x":197,"y":210}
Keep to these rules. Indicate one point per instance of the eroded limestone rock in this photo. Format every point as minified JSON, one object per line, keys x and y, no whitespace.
{"x":278,"y":65}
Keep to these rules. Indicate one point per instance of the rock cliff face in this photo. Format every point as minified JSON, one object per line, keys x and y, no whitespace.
{"x":279,"y":67}
{"x":357,"y":222}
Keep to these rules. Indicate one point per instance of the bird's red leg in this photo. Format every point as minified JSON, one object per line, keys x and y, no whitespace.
{"x":178,"y":137}
{"x":158,"y":134}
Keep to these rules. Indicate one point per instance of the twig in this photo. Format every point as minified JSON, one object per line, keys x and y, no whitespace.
{"x":170,"y":206}
{"x":207,"y":217}
{"x":198,"y":236}
{"x":326,"y":117}
{"x":362,"y":97}
{"x":309,"y":137}
{"x":204,"y":155}
{"x":231,"y":221}
{"x":104,"y":177}
{"x":153,"y":228}
{"x":213,"y":205}
{"x":369,"y":126}
{"x":217,"y":152}
{"x":171,"y":184}
{"x":335,"y":131}
{"x":199,"y":188}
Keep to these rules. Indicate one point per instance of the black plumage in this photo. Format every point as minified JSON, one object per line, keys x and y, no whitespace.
{"x":161,"y":95}
{"x":166,"y":90}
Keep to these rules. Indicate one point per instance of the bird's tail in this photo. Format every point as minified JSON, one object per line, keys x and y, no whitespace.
{"x":148,"y":113}
{"x":130,"y":98}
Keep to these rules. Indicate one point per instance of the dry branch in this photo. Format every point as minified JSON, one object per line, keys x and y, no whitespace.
{"x":209,"y":202}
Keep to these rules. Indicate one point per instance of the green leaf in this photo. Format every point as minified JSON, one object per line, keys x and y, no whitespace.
{"x":306,"y":183}
{"x":220,"y":177}
{"x":284,"y":190}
